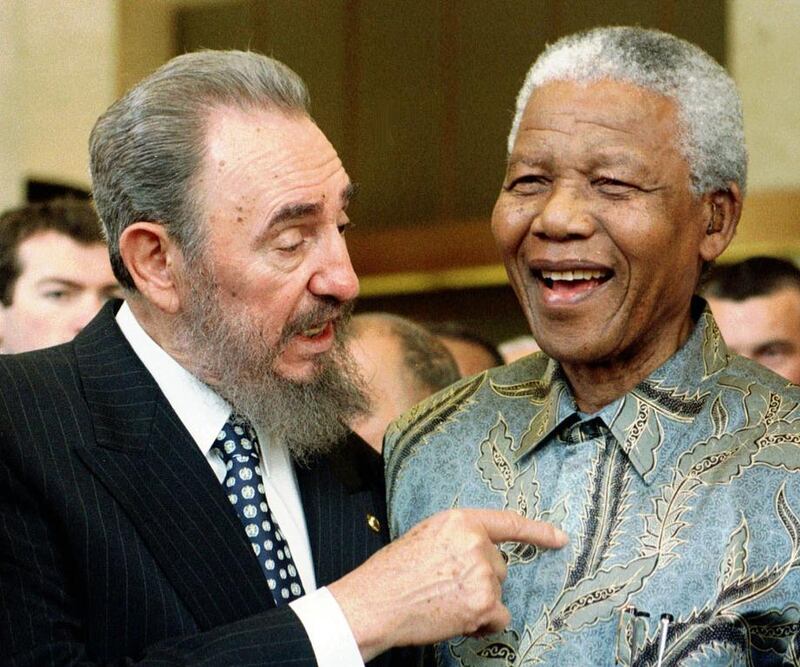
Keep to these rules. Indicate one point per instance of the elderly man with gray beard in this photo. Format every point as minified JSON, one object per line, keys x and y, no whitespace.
{"x":672,"y":464}
{"x":177,"y":485}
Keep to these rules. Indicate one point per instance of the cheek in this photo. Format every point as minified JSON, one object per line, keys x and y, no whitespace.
{"x":40,"y":312}
{"x":793,"y":365}
{"x":29,"y":326}
{"x":510,"y":224}
{"x":645,"y":237}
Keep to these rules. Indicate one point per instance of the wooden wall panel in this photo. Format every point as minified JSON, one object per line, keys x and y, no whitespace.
{"x":400,"y":106}
{"x":418,"y":99}
{"x":497,"y":42}
{"x":308,"y":35}
{"x":214,"y":26}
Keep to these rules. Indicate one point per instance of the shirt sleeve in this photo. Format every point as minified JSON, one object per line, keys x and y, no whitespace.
{"x":330,"y":635}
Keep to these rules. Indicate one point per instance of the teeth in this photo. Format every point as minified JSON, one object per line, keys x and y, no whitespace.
{"x":578,"y":274}
{"x":310,"y":333}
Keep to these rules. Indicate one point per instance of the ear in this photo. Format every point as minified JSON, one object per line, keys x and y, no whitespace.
{"x":723,"y":210}
{"x":153,"y":260}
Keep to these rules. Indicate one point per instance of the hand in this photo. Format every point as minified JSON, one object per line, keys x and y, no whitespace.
{"x":441,"y":579}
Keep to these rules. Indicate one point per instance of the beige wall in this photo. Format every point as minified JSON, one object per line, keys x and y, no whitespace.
{"x":764,"y":58}
{"x":57,"y":74}
{"x":765,"y":62}
{"x":10,"y":111}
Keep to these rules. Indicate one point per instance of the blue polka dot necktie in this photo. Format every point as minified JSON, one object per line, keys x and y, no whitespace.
{"x":238,"y":448}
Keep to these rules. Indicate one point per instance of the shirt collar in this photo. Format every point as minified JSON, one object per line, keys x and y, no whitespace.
{"x":676,"y":390}
{"x":201,"y":410}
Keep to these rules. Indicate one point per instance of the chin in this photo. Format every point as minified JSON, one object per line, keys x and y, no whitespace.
{"x":572,"y":352}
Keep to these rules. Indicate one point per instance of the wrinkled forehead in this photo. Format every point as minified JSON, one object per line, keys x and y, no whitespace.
{"x":262,"y":161}
{"x":605,"y":116}
{"x":605,"y":98}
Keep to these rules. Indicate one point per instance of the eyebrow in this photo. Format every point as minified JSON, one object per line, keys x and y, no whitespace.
{"x":349,"y":193}
{"x":304,"y":209}
{"x":64,"y":282}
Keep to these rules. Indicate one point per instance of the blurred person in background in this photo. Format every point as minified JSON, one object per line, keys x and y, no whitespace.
{"x":756,"y":303}
{"x":472,"y":352}
{"x":54,"y":273}
{"x":402,"y":363}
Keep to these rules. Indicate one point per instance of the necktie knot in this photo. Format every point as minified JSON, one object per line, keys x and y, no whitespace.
{"x":236,"y":436}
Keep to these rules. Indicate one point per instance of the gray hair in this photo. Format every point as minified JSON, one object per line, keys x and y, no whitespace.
{"x":709,"y":108}
{"x":147,"y":149}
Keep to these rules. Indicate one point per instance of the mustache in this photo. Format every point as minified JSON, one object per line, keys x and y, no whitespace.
{"x":322,"y":312}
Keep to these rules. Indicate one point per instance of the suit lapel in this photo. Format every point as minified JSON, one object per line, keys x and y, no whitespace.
{"x":340,"y":493}
{"x":147,"y":461}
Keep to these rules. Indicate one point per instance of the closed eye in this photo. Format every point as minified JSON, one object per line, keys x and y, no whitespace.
{"x":529,"y":184}
{"x":774,"y":349}
{"x":289,"y":240}
{"x":60,"y":290}
{"x":614,"y":187}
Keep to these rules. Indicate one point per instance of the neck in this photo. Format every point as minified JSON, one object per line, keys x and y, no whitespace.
{"x":595,"y":385}
{"x":161,"y":327}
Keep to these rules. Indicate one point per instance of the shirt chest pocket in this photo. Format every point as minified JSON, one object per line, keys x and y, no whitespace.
{"x":761,"y":638}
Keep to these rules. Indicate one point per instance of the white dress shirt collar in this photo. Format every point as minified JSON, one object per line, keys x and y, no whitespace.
{"x":202,"y":411}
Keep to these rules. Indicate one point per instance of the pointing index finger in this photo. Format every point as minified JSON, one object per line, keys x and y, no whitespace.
{"x":508,"y":526}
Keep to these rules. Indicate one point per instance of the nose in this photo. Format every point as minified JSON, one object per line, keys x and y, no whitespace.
{"x":565,"y":215}
{"x":335,"y":276}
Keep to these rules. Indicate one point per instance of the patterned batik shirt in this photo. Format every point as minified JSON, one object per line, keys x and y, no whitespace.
{"x":681,"y":498}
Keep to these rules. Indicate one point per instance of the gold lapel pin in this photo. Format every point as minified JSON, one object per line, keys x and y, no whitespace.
{"x":373,"y":523}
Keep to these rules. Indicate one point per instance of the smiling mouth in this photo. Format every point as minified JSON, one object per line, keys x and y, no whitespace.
{"x":574,"y":278}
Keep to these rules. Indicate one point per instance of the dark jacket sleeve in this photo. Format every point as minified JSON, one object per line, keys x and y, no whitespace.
{"x":42,"y":608}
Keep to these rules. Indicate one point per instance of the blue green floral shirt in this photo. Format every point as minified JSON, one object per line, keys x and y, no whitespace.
{"x":681,"y":500}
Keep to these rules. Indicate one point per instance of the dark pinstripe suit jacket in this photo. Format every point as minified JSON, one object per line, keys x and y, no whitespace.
{"x":117,"y":543}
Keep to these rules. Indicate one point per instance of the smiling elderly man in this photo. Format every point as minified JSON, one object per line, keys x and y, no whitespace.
{"x":672,"y":464}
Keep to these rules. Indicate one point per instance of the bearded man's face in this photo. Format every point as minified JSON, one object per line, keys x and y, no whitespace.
{"x":265,"y":303}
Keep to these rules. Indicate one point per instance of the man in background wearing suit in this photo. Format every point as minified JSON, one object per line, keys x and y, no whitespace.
{"x":176,"y":485}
